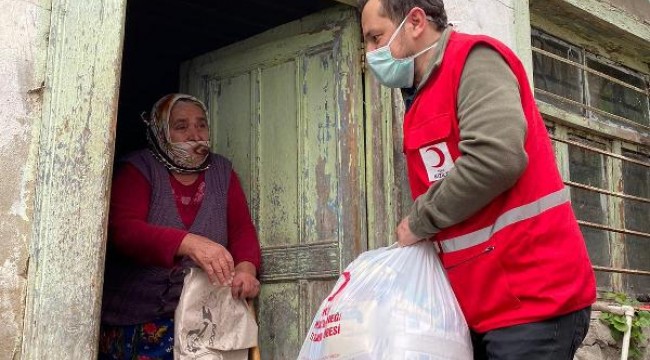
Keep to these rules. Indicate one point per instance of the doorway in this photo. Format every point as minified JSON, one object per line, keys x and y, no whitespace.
{"x":283,"y":83}
{"x":161,"y":34}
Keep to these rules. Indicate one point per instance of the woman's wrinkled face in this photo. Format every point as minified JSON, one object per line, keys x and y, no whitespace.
{"x":187,"y":122}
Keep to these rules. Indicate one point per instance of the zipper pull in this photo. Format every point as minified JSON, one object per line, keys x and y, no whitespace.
{"x":485,"y":251}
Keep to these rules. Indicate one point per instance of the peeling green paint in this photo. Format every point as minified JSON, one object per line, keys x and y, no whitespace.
{"x":77,"y":134}
{"x":286,"y":108}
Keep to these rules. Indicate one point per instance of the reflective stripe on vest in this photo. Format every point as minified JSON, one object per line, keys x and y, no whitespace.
{"x":510,"y":217}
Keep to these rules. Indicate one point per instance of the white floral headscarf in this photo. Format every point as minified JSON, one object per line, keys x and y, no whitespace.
{"x":184,"y":157}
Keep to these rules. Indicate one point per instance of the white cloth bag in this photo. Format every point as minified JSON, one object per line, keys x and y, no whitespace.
{"x":391,"y":303}
{"x":209,"y":324}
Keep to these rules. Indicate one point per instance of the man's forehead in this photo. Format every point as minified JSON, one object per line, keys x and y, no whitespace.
{"x":372,"y":10}
{"x":373,"y":16}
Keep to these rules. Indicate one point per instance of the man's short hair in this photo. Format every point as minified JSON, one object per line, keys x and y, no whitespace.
{"x":396,"y":10}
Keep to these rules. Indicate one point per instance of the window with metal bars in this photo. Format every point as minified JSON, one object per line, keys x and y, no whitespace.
{"x":608,"y":174}
{"x":586,"y":84}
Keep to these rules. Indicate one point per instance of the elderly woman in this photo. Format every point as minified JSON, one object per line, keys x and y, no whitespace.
{"x":172,"y":206}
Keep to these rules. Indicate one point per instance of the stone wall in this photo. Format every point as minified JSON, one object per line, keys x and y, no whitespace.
{"x":600,"y":345}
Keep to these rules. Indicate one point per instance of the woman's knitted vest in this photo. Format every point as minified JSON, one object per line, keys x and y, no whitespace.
{"x":134,"y":293}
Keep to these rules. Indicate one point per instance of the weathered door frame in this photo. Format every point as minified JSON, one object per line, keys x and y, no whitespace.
{"x":75,"y":158}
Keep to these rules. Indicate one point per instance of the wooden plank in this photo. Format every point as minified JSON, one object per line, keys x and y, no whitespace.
{"x":278,"y":199}
{"x":75,"y":155}
{"x":227,"y":61}
{"x":313,"y":294}
{"x":614,"y":208}
{"x":301,"y":262}
{"x":351,"y":161}
{"x":382,"y":204}
{"x":279,"y":321}
{"x":319,"y":153}
{"x":401,"y":188}
{"x":230,"y":115}
{"x":593,"y":126}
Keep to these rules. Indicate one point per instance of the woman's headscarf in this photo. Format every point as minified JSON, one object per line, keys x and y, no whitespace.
{"x":182,"y":157}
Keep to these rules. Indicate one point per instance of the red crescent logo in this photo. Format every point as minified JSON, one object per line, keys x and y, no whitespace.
{"x":441,"y":156}
{"x":346,"y":280}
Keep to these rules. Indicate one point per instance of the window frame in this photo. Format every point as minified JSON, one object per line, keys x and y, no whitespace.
{"x":564,"y":124}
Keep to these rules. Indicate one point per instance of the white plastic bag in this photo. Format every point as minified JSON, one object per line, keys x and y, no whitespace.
{"x":209,"y":324}
{"x":391,"y":303}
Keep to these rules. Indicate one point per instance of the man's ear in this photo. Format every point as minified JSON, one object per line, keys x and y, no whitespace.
{"x":417,"y":21}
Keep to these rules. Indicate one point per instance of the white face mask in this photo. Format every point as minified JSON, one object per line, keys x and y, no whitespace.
{"x":391,"y":72}
{"x":189,"y":154}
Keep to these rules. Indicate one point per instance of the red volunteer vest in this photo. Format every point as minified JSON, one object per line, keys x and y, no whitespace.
{"x":521,"y":258}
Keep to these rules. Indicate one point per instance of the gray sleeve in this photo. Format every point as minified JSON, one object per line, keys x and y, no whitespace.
{"x":492,"y":135}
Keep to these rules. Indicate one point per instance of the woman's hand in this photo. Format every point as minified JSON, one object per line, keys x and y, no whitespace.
{"x":245,"y":284}
{"x":213,"y":258}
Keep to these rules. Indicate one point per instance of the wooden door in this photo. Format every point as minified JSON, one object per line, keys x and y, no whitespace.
{"x":286,"y":108}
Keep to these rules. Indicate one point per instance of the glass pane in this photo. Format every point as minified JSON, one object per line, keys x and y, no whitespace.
{"x":636,"y":182}
{"x":589,"y":206}
{"x":587,"y":167}
{"x":617,"y":99}
{"x":599,"y":252}
{"x":637,"y":217}
{"x":555,"y":76}
{"x":636,"y":177}
{"x":637,"y":258}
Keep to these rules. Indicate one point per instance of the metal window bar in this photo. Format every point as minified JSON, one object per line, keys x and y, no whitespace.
{"x":613,"y":229}
{"x":591,"y":108}
{"x":606,"y":192}
{"x":620,"y":271}
{"x":603,"y":152}
{"x":646,"y":92}
{"x":606,"y":153}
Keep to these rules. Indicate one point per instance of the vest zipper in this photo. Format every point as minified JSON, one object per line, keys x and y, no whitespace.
{"x":485,"y":251}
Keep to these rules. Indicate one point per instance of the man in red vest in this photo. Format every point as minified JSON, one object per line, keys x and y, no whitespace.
{"x":486,"y":187}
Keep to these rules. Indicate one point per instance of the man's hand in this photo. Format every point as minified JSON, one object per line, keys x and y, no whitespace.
{"x":245,"y":285}
{"x":213,"y":258}
{"x":404,"y":235}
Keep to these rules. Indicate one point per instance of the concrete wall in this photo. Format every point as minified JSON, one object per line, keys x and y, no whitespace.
{"x":24,"y":27}
{"x":636,"y":8}
{"x":489,"y":17}
{"x":506,"y":20}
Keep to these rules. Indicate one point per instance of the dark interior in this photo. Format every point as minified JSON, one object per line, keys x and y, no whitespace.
{"x":161,"y":34}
